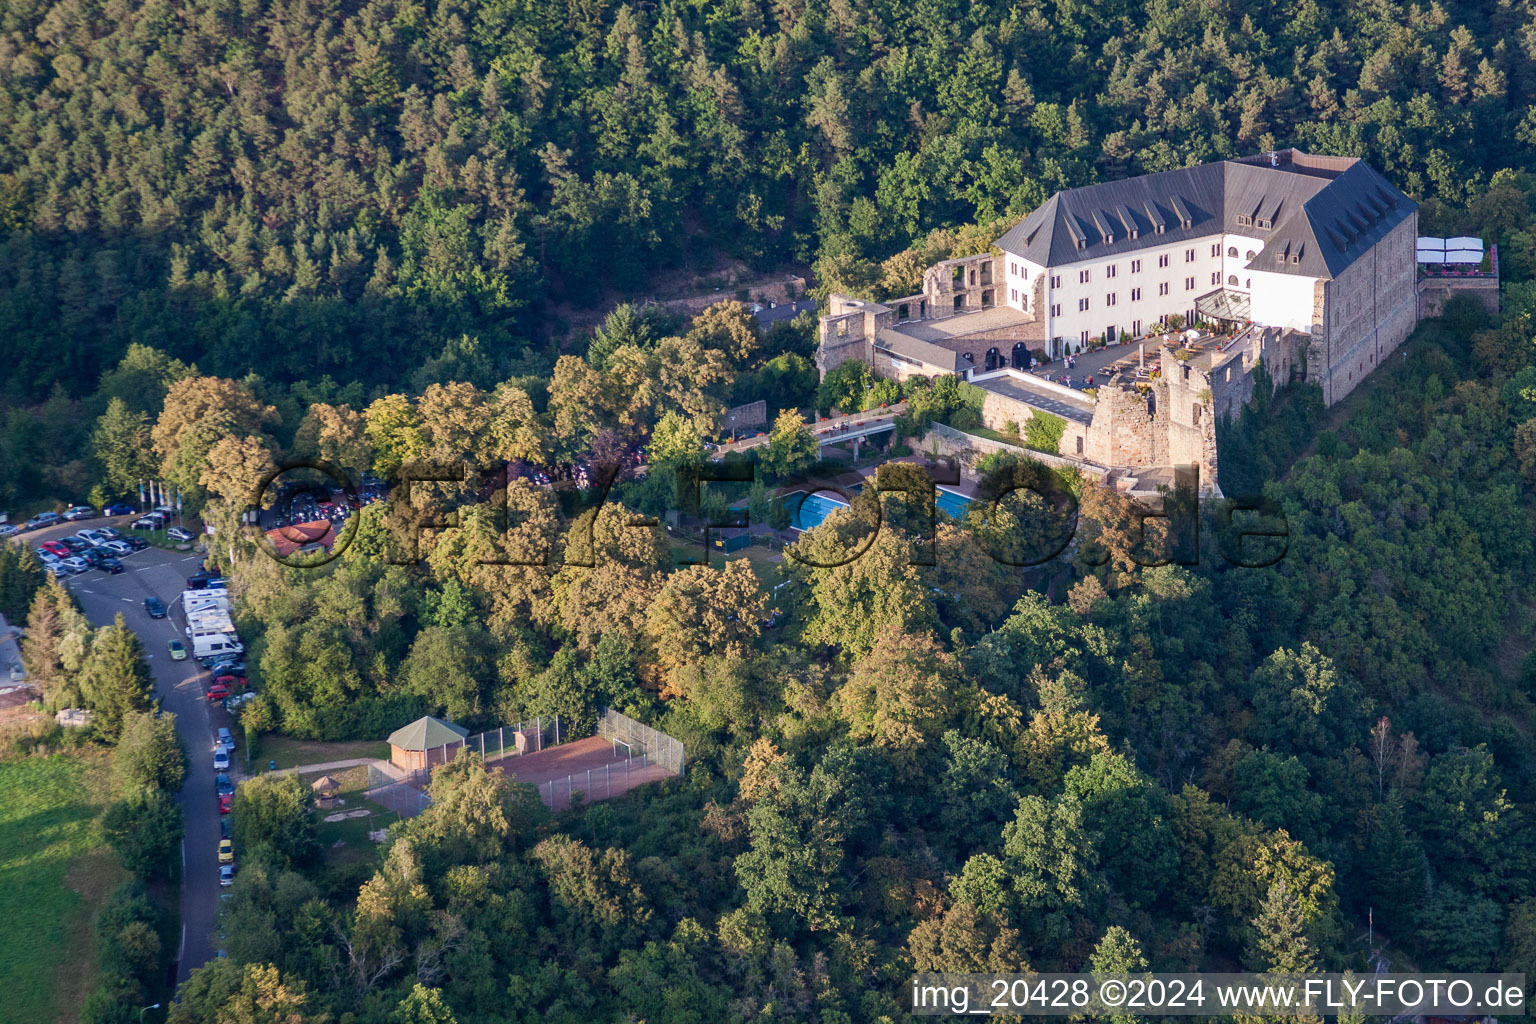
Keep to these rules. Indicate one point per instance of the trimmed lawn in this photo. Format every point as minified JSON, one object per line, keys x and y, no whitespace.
{"x":289,"y":752}
{"x":350,"y":833}
{"x":54,"y":869}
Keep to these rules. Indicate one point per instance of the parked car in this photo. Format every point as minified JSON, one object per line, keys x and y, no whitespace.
{"x":48,"y":558}
{"x":109,"y":533}
{"x":226,"y":875}
{"x":145,"y":523}
{"x":76,"y":564}
{"x":221,"y":760}
{"x":58,"y":572}
{"x":225,"y":786}
{"x":76,"y":544}
{"x":218,"y":691}
{"x":229,"y":681}
{"x":118,"y":547}
{"x":56,"y":549}
{"x":93,"y":558}
{"x":135,"y":543}
{"x":225,"y":799}
{"x":93,"y":537}
{"x":199,"y":581}
{"x":111,"y":566}
{"x":226,"y":738}
{"x":119,"y":509}
{"x":155,"y":607}
{"x":178,"y":650}
{"x":239,"y":699}
{"x":228,"y":666}
{"x":78,"y":512}
{"x":224,"y":830}
{"x":177,"y":533}
{"x":9,"y":530}
{"x":42,"y":519}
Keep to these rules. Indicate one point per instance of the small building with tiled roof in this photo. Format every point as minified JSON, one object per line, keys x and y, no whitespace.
{"x":425,"y":742}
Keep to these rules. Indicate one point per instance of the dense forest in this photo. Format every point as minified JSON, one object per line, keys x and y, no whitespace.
{"x":231,"y":233}
{"x":306,"y":188}
{"x":923,"y":766}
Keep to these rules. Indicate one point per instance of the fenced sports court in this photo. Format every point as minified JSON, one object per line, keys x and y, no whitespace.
{"x":623,"y":755}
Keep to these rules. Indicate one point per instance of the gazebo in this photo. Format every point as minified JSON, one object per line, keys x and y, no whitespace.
{"x":325,"y":788}
{"x":425,"y":742}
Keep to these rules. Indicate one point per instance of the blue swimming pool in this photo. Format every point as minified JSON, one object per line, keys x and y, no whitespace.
{"x":811,"y":510}
{"x":953,"y":503}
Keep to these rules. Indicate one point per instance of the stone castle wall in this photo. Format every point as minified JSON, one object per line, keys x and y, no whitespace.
{"x":1366,"y":312}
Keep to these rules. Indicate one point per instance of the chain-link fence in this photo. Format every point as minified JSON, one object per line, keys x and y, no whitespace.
{"x":657,"y":747}
{"x":401,"y":791}
{"x":601,"y":782}
{"x":522,"y":738}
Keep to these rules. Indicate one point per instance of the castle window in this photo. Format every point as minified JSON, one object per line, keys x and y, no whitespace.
{"x":1232,"y":280}
{"x":1109,"y":300}
{"x":1055,"y":280}
{"x":1136,"y":328}
{"x":1215,"y":277}
{"x":1232,"y":251}
{"x":1189,"y":284}
{"x":1082,"y":305}
{"x":842,"y":328}
{"x":1248,"y":282}
{"x":1135,"y":266}
{"x":1251,"y":254}
{"x":1079,"y":444}
{"x":1056,"y":309}
{"x":1135,"y":294}
{"x":1189,"y":255}
{"x":1215,"y":248}
{"x":1110,"y":270}
{"x":1162,"y":260}
{"x":1082,"y":277}
{"x":1196,"y":412}
{"x":1162,"y":289}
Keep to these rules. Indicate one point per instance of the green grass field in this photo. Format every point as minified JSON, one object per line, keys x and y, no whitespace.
{"x":289,"y":752}
{"x":350,"y":833}
{"x":53,"y":870}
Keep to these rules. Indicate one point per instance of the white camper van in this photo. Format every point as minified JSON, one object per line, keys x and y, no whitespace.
{"x":211,"y":648}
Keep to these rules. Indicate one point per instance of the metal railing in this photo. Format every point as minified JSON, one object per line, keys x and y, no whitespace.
{"x":657,"y":747}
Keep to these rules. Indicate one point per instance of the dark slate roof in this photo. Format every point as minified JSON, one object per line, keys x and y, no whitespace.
{"x":785,"y":311}
{"x":1324,"y":212}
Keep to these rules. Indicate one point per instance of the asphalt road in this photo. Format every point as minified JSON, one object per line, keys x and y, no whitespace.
{"x":180,"y":686}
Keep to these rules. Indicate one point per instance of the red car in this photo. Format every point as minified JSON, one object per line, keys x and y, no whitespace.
{"x":232,"y":682}
{"x":218,"y":691}
{"x":53,"y":547}
{"x":225,"y":800}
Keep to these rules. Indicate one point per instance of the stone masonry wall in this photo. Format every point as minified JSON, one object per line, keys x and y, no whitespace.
{"x":997,"y":411}
{"x":1367,"y":312}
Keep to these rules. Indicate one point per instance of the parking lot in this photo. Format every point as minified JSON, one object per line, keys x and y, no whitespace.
{"x":180,"y":685}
